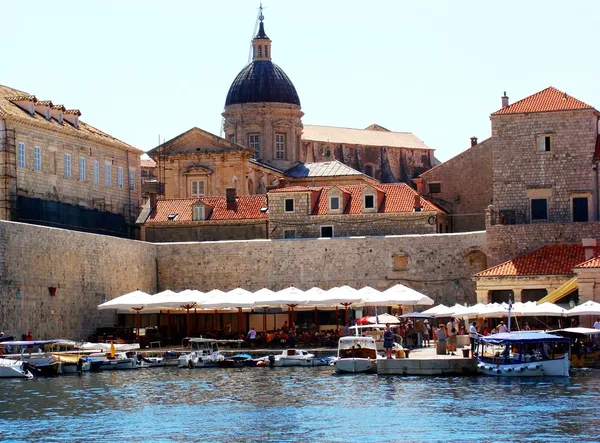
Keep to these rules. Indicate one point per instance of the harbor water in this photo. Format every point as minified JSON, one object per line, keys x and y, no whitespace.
{"x":297,"y":404}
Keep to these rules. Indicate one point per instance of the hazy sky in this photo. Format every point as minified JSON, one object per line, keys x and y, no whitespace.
{"x":140,"y":69}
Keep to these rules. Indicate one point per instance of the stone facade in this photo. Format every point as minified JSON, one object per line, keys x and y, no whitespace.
{"x":205,"y":231}
{"x":84,"y":269}
{"x":524,"y":172}
{"x":462,"y":186}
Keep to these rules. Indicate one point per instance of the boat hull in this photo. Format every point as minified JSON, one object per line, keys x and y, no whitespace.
{"x":355,"y":365}
{"x":71,"y":368}
{"x":113,"y":365}
{"x":13,"y":369}
{"x":549,"y":368}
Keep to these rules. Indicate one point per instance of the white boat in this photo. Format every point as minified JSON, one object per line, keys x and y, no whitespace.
{"x":523,"y":354}
{"x":13,"y":369}
{"x":105,"y":362}
{"x":356,"y":354}
{"x":205,"y":353}
{"x":294,"y":357}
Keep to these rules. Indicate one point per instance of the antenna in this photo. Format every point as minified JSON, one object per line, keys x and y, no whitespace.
{"x":259,"y":18}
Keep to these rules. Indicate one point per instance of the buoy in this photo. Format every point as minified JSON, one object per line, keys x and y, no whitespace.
{"x":260,"y":364}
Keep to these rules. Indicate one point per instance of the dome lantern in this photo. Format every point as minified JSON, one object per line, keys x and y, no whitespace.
{"x":261,"y":44}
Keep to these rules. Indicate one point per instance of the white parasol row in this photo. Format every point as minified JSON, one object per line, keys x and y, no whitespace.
{"x":527,"y":309}
{"x":264,"y":298}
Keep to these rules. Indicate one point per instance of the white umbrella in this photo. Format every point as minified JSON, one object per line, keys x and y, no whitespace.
{"x":170,"y":299}
{"x":288,"y":296}
{"x":384,"y":319}
{"x":398,"y":295}
{"x":447,"y":312}
{"x":545,"y":309}
{"x":236,"y":298}
{"x":439,"y":308}
{"x":332,"y":297}
{"x":131,"y":300}
{"x":469,"y":311}
{"x":587,"y":308}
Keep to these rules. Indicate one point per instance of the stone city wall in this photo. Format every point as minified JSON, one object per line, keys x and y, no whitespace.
{"x":205,"y":231}
{"x":84,"y":269}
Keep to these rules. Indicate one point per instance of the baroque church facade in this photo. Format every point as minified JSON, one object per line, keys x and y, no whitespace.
{"x":267,"y":146}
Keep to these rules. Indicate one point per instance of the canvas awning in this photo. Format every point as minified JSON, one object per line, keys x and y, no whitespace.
{"x":560,"y":292}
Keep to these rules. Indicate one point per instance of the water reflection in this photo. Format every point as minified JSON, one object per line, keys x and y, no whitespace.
{"x":296,"y":404}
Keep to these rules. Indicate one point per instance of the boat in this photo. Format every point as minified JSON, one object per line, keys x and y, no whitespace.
{"x":356,"y":354}
{"x":205,"y":353}
{"x":237,"y":361}
{"x":376,"y":331}
{"x":72,"y":363}
{"x":585,"y":346}
{"x":294,"y":357}
{"x":169,"y":358}
{"x":523,"y":354}
{"x":107,"y":362}
{"x":13,"y":369}
{"x":43,"y":366}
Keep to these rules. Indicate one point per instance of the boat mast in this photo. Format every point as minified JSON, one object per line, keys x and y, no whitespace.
{"x":509,"y":309}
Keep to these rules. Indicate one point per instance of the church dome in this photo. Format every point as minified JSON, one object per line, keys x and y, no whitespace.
{"x":262,"y":81}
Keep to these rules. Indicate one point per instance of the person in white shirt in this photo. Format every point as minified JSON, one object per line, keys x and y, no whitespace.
{"x":252,"y":337}
{"x":502,"y":327}
{"x":472,"y":336}
{"x":597,"y":324}
{"x":452,"y":331}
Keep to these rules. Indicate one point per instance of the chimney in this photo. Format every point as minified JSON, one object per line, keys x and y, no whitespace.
{"x":153,"y":200}
{"x":417,"y":207}
{"x":231,"y":195}
{"x":72,"y":116}
{"x":589,"y":247}
{"x":473,"y":141}
{"x":504,"y":100}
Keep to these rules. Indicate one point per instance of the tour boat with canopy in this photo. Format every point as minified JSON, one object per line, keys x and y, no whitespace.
{"x":356,"y":354}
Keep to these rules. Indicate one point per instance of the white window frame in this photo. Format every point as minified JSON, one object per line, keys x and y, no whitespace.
{"x":326,"y":226}
{"x":289,"y":231}
{"x":96,"y":172}
{"x":199,"y":213}
{"x":254,"y":143}
{"x":541,"y":142}
{"x":285,"y":209}
{"x":21,"y":154}
{"x":67,"y":165}
{"x":82,"y":169}
{"x":107,"y":174}
{"x":280,"y":146}
{"x":37,"y":158}
{"x":132,"y":180}
{"x":200,"y":188}
{"x":120,"y":177}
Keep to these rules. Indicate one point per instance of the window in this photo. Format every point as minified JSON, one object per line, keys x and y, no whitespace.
{"x":543,"y":143}
{"x":580,"y":209}
{"x":369,"y":170}
{"x":289,"y":233}
{"x":21,"y":155}
{"x":369,"y":201}
{"x":260,"y":50}
{"x":96,"y":172}
{"x":289,"y":205}
{"x":199,"y":213}
{"x":107,"y":175}
{"x":334,"y":203}
{"x":120,"y":177}
{"x":132,"y":180}
{"x":82,"y":169}
{"x":67,"y":165}
{"x":233,"y":138}
{"x":326,"y":231}
{"x":37,"y":158}
{"x":539,"y":209}
{"x":280,"y":146}
{"x":254,"y":143}
{"x":266,"y":51}
{"x":172,"y":217}
{"x":435,"y":188}
{"x":197,"y":188}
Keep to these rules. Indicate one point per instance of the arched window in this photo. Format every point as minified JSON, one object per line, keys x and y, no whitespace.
{"x":259,"y":50}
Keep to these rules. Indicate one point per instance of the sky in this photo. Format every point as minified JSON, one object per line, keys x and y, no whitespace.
{"x":145,"y":71}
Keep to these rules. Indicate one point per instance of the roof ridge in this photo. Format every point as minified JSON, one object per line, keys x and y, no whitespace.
{"x":361,"y":129}
{"x":531,"y":99}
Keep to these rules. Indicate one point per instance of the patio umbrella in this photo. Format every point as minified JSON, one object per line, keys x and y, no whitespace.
{"x":236,"y":298}
{"x":447,"y":312}
{"x":384,"y":319}
{"x":433,"y":311}
{"x":259,"y":294}
{"x":587,"y":308}
{"x":414,"y":315}
{"x":136,"y":300}
{"x":363,"y":321}
{"x":398,"y":295}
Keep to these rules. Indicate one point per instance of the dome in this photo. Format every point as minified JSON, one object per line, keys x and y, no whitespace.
{"x":262,"y":81}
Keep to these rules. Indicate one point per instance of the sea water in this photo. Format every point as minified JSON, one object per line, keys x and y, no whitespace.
{"x":297,"y":404}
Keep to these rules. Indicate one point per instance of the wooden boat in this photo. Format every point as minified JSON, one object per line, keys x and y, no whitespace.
{"x":523,"y":354}
{"x":585,"y":346}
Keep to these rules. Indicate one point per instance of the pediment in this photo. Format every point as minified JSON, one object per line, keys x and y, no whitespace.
{"x":197,"y":141}
{"x":197,"y":168}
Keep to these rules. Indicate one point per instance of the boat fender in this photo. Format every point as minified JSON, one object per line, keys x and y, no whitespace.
{"x":508,"y":369}
{"x":260,"y":363}
{"x":519,"y":369}
{"x":532,"y":367}
{"x":497,"y":371}
{"x":481,"y":365}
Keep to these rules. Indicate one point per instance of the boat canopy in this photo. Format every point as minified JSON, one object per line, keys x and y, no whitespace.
{"x":522,"y":336}
{"x":580,"y":331}
{"x":28,"y":342}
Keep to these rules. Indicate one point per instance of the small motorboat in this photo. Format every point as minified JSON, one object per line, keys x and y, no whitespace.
{"x":13,"y":369}
{"x":72,"y":363}
{"x":236,"y":361}
{"x":42,"y":365}
{"x":205,"y":353}
{"x":294,"y":357}
{"x":356,"y":354}
{"x":118,"y":361}
{"x":169,"y":358}
{"x":585,"y":346}
{"x":523,"y":354}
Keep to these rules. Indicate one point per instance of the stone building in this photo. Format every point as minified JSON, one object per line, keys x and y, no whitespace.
{"x":60,"y":171}
{"x":462,"y":186}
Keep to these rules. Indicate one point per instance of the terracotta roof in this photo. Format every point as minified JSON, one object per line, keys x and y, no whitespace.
{"x":549,"y":99}
{"x":332,"y":168}
{"x":147,"y":163}
{"x":247,"y":208}
{"x":364,"y":137}
{"x":399,"y":197}
{"x":73,"y":111}
{"x":11,"y":110}
{"x":591,"y":263}
{"x":59,"y":107}
{"x":548,"y":260}
{"x":44,"y":103}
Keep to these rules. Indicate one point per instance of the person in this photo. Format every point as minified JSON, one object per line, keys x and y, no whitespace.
{"x":285,"y":327}
{"x":527,"y":328}
{"x":252,"y":337}
{"x":502,"y":327}
{"x":473,"y":336}
{"x":441,"y":340}
{"x":419,"y":329}
{"x":29,"y":337}
{"x":388,"y":341}
{"x":426,"y":332}
{"x":452,"y":331}
{"x":597,"y":324}
{"x":347,"y":329}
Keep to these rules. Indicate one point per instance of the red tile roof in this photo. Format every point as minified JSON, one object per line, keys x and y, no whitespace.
{"x":591,"y":263}
{"x":147,"y":163}
{"x":549,"y":99}
{"x":399,"y":197}
{"x":247,"y":207}
{"x":548,"y":260}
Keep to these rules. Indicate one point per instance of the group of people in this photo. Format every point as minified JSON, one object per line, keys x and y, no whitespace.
{"x":289,"y":335}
